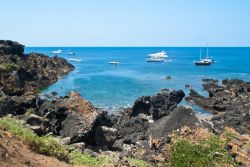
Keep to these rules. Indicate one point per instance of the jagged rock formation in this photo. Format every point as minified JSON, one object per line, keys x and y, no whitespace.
{"x":229,"y":102}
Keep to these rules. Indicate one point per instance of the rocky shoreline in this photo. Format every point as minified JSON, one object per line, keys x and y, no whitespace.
{"x":143,"y":131}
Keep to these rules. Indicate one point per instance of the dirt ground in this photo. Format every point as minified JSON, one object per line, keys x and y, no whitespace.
{"x":14,"y":153}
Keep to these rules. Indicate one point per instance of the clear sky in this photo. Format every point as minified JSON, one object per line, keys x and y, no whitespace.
{"x":126,"y":22}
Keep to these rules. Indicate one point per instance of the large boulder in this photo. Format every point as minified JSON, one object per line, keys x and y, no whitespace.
{"x":72,"y":116}
{"x":179,"y":117}
{"x":159,"y":105}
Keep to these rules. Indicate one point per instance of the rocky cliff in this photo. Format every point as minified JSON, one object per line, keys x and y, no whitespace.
{"x":22,"y":75}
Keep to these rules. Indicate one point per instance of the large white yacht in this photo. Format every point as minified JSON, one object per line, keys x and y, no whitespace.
{"x":157,"y":57}
{"x":162,"y":54}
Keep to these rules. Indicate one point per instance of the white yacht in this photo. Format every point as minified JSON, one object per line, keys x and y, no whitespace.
{"x":162,"y":54}
{"x":56,"y":52}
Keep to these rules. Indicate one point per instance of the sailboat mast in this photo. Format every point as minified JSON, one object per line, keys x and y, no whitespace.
{"x":200,"y":53}
{"x":207,"y":50}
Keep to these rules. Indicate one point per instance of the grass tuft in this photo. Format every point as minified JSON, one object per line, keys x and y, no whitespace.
{"x":77,"y":158}
{"x":47,"y":145}
{"x":50,"y":145}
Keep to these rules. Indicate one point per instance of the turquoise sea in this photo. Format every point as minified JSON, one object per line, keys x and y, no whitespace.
{"x":110,"y":87}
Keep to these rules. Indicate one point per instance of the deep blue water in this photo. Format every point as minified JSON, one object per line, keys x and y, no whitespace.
{"x":110,"y":86}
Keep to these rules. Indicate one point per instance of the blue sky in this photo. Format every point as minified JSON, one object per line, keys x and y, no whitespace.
{"x":126,"y":23}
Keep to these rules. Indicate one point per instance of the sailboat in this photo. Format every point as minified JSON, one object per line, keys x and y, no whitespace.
{"x":70,"y":52}
{"x":202,"y":61}
{"x":210,"y":59}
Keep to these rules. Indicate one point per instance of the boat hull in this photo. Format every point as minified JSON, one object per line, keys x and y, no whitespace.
{"x":202,"y":63}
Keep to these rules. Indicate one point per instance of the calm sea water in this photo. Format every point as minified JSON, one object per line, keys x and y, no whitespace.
{"x":109,"y":86}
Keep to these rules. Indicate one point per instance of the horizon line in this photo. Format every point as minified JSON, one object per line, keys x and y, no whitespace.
{"x":141,"y":46}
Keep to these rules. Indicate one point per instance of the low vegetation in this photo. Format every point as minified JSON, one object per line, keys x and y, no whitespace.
{"x":207,"y":153}
{"x":49,"y":145}
{"x":9,"y":67}
{"x":77,"y":158}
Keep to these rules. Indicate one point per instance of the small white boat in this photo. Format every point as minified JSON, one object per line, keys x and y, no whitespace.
{"x":71,"y":53}
{"x":56,"y":52}
{"x":114,"y":62}
{"x":78,"y":60}
{"x":162,"y":54}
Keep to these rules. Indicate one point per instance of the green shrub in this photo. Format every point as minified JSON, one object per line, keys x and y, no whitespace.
{"x":77,"y":158}
{"x":208,"y":153}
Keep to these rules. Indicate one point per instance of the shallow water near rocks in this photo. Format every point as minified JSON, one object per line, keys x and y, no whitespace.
{"x":113,"y":86}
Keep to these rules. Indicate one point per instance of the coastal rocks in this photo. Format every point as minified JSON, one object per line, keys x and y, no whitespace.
{"x":159,"y":105}
{"x":10,"y":47}
{"x":22,"y":74}
{"x":229,"y":102}
{"x":105,"y":137}
{"x":141,"y":136}
{"x":42,"y":70}
{"x":179,"y":117}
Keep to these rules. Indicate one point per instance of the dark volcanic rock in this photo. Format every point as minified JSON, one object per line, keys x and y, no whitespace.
{"x":105,"y":137}
{"x":179,"y":117}
{"x":69,"y":116}
{"x":159,"y":105}
{"x":23,"y":75}
{"x":231,"y":100}
{"x":10,"y":47}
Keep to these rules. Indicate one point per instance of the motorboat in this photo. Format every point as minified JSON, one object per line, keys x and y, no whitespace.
{"x":78,"y":60}
{"x":162,"y":54}
{"x":114,"y":62}
{"x":56,"y":52}
{"x":71,"y":53}
{"x":155,"y":59}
